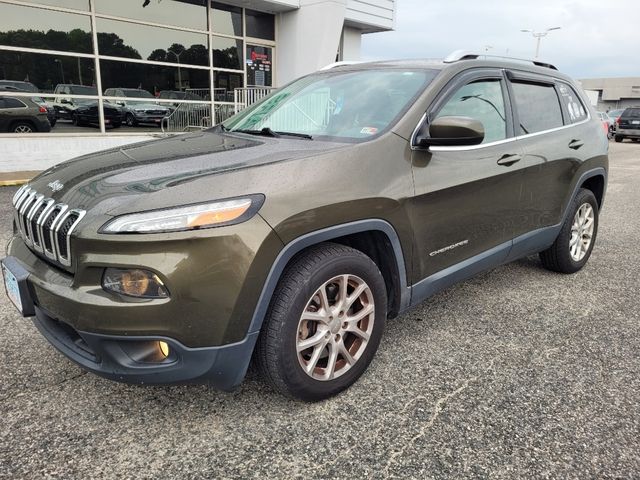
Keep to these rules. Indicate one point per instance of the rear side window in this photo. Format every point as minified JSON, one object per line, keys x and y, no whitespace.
{"x":538,"y":107}
{"x":572,"y":103}
{"x":631,"y":113}
{"x":13,"y":103}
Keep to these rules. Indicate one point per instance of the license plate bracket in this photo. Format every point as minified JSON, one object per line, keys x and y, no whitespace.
{"x":16,"y":287}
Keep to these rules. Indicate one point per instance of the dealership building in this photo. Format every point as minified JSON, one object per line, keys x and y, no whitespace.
{"x":613,"y":93}
{"x":164,"y":66}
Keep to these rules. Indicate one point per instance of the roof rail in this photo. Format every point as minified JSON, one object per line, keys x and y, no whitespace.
{"x":339,"y":64}
{"x":459,"y":55}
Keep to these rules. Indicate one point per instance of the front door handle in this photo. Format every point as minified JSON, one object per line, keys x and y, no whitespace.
{"x":508,"y":160}
{"x":576,"y":144}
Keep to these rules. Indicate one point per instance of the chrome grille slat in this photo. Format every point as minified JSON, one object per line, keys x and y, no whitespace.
{"x":44,"y":225}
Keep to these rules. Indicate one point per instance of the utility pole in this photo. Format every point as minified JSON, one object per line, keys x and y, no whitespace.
{"x":539,"y":36}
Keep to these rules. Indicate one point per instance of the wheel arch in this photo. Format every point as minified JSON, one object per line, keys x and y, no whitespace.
{"x":362,"y":235}
{"x":595,"y":183}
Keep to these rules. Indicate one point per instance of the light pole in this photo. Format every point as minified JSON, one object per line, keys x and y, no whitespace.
{"x":57,"y":60}
{"x":179,"y":72}
{"x":539,"y":35}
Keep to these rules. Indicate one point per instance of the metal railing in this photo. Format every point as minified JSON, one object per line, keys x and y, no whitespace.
{"x":243,"y":97}
{"x":187,"y":116}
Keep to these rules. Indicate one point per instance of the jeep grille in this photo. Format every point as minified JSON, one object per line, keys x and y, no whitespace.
{"x":46,"y":226}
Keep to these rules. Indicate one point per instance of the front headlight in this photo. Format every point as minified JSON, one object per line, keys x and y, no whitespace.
{"x":191,"y":217}
{"x":138,"y":110}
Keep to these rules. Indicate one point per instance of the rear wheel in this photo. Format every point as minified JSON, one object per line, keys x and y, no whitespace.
{"x":618,"y":138}
{"x":324,"y":323}
{"x":572,"y":249}
{"x":22,"y":127}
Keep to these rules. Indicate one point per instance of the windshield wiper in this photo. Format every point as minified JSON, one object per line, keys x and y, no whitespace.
{"x":267,"y":132}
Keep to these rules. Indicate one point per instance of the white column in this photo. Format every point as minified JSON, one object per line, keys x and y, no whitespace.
{"x":308,"y":38}
{"x":351,"y":44}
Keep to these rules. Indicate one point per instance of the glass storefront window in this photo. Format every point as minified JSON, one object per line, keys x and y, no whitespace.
{"x":260,"y":25}
{"x":227,"y":53}
{"x":224,"y":84}
{"x":150,"y":51}
{"x":75,"y":4}
{"x":45,"y":72}
{"x":181,"y":13}
{"x":226,"y":19}
{"x":122,"y":39}
{"x":259,"y":66}
{"x":45,"y":29}
{"x":152,"y":78}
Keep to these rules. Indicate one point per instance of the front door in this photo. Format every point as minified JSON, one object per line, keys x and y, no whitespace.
{"x":467,"y":199}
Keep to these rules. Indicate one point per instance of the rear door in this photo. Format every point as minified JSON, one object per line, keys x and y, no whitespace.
{"x":467,"y":199}
{"x":553,"y":127}
{"x":4,"y":116}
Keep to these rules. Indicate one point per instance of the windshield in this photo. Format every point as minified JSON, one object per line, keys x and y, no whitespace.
{"x":348,"y":105}
{"x":137,"y":93}
{"x":78,"y":90}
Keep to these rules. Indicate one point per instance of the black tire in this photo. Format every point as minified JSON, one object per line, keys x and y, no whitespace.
{"x":22,"y":127}
{"x":557,"y":258}
{"x":276,"y":355}
{"x":618,"y":138}
{"x":130,"y":120}
{"x":77,"y":122}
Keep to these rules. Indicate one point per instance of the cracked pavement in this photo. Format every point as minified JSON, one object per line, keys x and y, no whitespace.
{"x":517,"y":373}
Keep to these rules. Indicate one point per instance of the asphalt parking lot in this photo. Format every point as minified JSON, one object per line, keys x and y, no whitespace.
{"x":516,"y":373}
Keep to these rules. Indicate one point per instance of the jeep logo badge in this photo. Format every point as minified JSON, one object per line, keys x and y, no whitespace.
{"x":56,"y":185}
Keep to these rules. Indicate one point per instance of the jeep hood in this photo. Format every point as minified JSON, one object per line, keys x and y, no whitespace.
{"x":107,"y":182}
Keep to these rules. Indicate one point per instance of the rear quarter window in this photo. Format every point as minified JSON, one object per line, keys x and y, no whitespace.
{"x":538,"y":107}
{"x":573,"y":105}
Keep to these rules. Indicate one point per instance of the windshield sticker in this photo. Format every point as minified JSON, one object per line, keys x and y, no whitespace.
{"x":369,"y":131}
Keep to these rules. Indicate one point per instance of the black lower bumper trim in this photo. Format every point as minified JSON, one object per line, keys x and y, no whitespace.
{"x":118,"y":357}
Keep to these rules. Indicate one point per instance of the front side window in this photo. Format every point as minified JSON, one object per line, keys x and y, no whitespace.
{"x":344,"y":105}
{"x":538,"y":107}
{"x":483,"y":101}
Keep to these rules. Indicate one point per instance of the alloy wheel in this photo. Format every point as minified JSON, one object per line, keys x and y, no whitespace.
{"x":23,"y":129}
{"x":582,"y":232}
{"x":335,"y":327}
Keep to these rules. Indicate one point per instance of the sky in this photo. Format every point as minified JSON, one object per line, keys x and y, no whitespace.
{"x":598,"y":38}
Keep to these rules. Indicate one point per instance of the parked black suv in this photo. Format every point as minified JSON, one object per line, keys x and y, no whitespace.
{"x":293,"y":231}
{"x":628,"y":125}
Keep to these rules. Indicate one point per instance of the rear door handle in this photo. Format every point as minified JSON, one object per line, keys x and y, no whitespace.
{"x":576,"y":144}
{"x":508,"y":160}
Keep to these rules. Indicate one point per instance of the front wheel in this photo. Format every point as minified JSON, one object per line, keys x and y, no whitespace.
{"x":324,"y":323}
{"x":572,"y":249}
{"x":130,"y":120}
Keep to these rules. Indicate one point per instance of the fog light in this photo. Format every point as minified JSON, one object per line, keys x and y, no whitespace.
{"x":164,"y":348}
{"x":134,"y":283}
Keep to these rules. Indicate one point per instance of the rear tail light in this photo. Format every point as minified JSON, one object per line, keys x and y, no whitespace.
{"x":618,"y":120}
{"x":42,"y":109}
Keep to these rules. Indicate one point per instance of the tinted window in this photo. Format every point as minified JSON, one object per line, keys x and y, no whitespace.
{"x":227,"y":19}
{"x":121,"y":39}
{"x":227,"y":52}
{"x":13,"y":103}
{"x":152,"y":78}
{"x":259,"y":66}
{"x":38,"y":28}
{"x":631,"y":113}
{"x":260,"y":25}
{"x":481,"y":101}
{"x":183,"y":13}
{"x":538,"y":107}
{"x":572,"y":103}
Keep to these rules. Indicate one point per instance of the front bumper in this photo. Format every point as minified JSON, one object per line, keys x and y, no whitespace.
{"x":133,"y":360}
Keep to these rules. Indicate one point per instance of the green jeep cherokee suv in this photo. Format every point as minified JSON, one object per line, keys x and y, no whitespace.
{"x":293,"y":231}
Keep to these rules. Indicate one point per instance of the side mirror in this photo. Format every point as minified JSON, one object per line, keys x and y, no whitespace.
{"x":121,"y":103}
{"x":65,"y":101}
{"x":450,"y":132}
